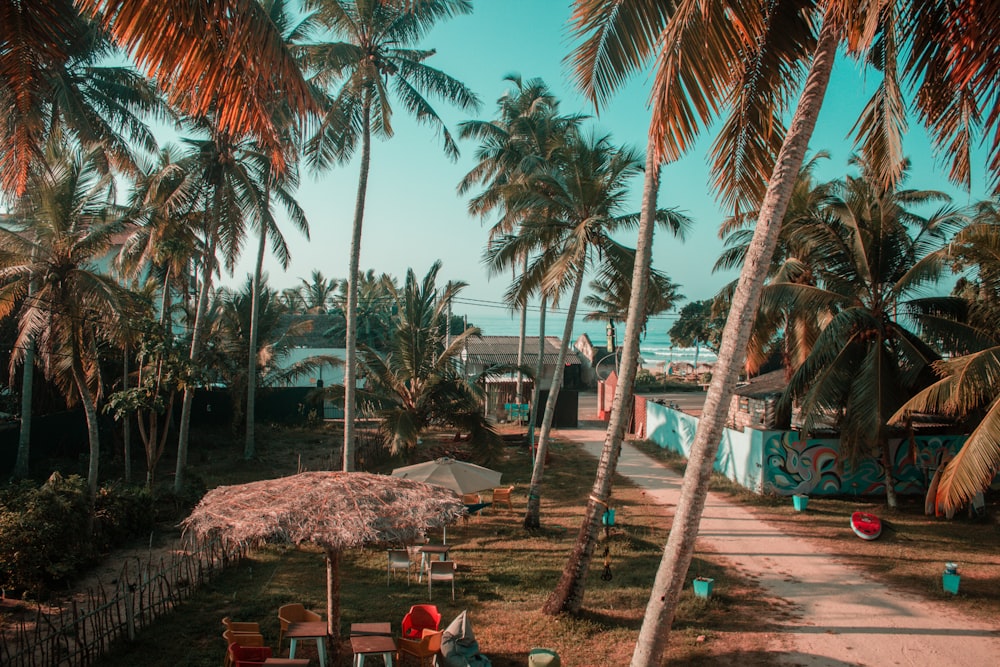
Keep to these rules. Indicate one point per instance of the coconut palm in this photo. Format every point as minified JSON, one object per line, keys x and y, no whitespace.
{"x":569,"y":211}
{"x":527,"y":134}
{"x":53,"y":74}
{"x":317,"y":293}
{"x":967,"y":387}
{"x":754,"y":48}
{"x":233,"y":177}
{"x":237,"y":78}
{"x":379,"y":50}
{"x":72,"y":219}
{"x":872,"y":254}
{"x":611,"y":292}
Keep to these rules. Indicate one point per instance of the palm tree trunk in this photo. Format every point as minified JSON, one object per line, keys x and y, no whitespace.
{"x":196,"y":335}
{"x":887,"y":464}
{"x":21,"y":464}
{"x":520,"y":342}
{"x":27,"y":394}
{"x":536,"y":387}
{"x":90,"y":410}
{"x":248,"y":447}
{"x":569,"y":592}
{"x":351,"y":362}
{"x":679,"y":549}
{"x":126,"y":423}
{"x":533,"y":511}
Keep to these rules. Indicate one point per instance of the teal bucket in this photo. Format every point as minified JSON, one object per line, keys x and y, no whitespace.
{"x":703,"y":587}
{"x":950,"y":582}
{"x":800,"y":502}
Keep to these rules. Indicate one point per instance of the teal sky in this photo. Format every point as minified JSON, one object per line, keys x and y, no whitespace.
{"x":414,"y":216}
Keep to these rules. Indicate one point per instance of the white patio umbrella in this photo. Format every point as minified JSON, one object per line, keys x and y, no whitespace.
{"x":459,"y":476}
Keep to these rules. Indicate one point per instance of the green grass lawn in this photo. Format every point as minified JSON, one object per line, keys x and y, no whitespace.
{"x":504,"y":576}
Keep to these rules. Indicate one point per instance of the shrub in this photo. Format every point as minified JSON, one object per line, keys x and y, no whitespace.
{"x":48,"y":534}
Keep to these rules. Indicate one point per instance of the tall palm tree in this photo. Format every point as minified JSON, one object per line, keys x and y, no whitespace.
{"x":233,"y":177}
{"x":873,"y":253}
{"x":379,"y":50}
{"x":690,"y":86}
{"x":527,"y":134}
{"x":760,"y":63}
{"x":70,"y":212}
{"x":569,"y":211}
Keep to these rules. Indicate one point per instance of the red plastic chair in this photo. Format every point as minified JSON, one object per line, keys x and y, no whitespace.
{"x":249,"y":656}
{"x":420,"y":617}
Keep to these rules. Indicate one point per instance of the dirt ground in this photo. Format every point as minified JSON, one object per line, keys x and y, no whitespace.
{"x":832,"y":614}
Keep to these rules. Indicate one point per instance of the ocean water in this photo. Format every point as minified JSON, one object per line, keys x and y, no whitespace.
{"x":655,"y":348}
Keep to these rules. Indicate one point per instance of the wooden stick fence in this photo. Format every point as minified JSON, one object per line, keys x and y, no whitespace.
{"x":80,"y":633}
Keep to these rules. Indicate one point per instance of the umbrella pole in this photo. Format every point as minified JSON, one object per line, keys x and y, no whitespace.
{"x":333,"y":601}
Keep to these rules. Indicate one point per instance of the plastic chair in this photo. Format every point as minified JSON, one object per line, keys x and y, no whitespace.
{"x":420,"y":617}
{"x":441,"y":570}
{"x":241,"y":638}
{"x":502,"y":497}
{"x":249,"y":656}
{"x":471,"y":498}
{"x":424,"y":649}
{"x":241,"y":626}
{"x":399,"y":559}
{"x":294,"y":613}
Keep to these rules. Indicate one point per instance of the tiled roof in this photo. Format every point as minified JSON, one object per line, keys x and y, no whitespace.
{"x":491,"y":350}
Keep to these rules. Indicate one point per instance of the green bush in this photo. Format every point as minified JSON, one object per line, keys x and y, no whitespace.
{"x":48,"y":535}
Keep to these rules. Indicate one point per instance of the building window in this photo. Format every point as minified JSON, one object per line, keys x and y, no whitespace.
{"x":744,"y":404}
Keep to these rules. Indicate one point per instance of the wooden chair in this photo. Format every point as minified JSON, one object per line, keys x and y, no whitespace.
{"x":503,"y":497}
{"x":424,"y":649}
{"x":399,"y":559}
{"x":249,"y":656}
{"x":441,"y":570}
{"x":294,"y":613}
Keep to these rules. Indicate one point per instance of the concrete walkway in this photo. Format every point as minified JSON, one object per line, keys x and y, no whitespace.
{"x":844,"y":617}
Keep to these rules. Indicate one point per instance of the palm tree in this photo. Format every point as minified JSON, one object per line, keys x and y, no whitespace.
{"x":967,"y":386}
{"x":690,"y":85}
{"x":569,"y":211}
{"x":69,"y":211}
{"x":417,"y":383}
{"x":379,"y":50}
{"x":527,"y":135}
{"x":611,"y":292}
{"x":238,"y":77}
{"x":233,"y":177}
{"x":762,"y":68}
{"x":53,"y":75}
{"x":317,"y":293}
{"x":872,"y":254}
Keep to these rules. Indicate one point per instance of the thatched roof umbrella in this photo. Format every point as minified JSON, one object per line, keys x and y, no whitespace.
{"x":335,"y":510}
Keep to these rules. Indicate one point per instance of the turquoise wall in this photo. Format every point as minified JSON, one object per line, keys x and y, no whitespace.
{"x":778,"y":462}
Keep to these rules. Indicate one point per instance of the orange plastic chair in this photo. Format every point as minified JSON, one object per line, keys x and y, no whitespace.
{"x":294,"y":613}
{"x":423,"y":649}
{"x":502,"y":497}
{"x":241,"y":638}
{"x":249,"y":656}
{"x":420,"y":617}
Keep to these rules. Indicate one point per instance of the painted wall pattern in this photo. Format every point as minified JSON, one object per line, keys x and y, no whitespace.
{"x":778,"y":462}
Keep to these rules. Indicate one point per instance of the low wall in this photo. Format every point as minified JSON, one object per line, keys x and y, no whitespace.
{"x":779,"y":462}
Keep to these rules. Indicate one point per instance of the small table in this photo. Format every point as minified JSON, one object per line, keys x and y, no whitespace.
{"x":425,"y":553}
{"x":308,"y":630}
{"x":372,"y":639}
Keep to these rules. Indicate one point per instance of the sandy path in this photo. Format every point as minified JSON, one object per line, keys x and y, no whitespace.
{"x":844,"y":618}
